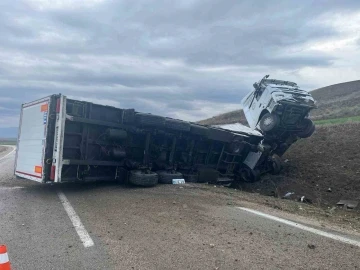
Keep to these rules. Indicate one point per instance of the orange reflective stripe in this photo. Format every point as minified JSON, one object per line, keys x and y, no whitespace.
{"x":38,"y":169}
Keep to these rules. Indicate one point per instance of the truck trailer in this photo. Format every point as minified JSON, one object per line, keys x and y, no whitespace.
{"x":67,"y":140}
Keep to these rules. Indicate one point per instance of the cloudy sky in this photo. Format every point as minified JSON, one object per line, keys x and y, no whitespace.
{"x":186,"y":59}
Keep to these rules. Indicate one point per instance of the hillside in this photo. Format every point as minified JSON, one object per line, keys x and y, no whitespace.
{"x":338,"y":100}
{"x":322,"y":168}
{"x":334,"y":101}
{"x":226,"y":118}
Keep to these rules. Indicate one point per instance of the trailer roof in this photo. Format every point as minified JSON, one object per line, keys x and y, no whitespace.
{"x":237,"y":127}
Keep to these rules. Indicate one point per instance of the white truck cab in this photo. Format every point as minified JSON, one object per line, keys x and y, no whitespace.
{"x":276,"y":106}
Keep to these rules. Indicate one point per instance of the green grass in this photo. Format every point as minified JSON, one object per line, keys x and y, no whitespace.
{"x":337,"y":120}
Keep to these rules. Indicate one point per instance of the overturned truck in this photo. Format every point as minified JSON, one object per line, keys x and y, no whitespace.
{"x":67,"y":140}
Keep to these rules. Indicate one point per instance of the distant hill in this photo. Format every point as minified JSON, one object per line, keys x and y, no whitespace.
{"x":338,"y":100}
{"x":226,"y":118}
{"x":8,"y":141}
{"x":334,"y":101}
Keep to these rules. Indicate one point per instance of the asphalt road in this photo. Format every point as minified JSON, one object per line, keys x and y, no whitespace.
{"x":166,"y":227}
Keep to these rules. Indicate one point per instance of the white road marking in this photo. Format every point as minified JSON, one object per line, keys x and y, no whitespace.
{"x":6,"y":188}
{"x":79,"y":227}
{"x":305,"y":228}
{"x":8,"y":153}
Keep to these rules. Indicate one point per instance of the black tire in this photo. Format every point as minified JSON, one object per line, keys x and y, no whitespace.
{"x":308,"y":128}
{"x":276,"y":164}
{"x":248,"y":175}
{"x":139,"y":178}
{"x":207,"y":175}
{"x":269,"y":122}
{"x":191,"y":178}
{"x":167,"y":177}
{"x":282,"y":149}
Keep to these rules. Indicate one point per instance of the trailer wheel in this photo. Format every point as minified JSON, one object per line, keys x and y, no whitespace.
{"x":308,"y":128}
{"x":269,"y":122}
{"x":167,"y":177}
{"x":248,"y":175}
{"x":276,"y":164}
{"x":140,"y":178}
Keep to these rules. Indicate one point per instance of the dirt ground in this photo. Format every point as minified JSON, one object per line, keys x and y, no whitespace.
{"x":324,"y":168}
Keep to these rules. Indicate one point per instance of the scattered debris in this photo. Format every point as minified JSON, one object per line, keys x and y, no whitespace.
{"x":178,"y":181}
{"x":288,"y":195}
{"x":351,"y":204}
{"x":311,"y":246}
{"x":303,"y":199}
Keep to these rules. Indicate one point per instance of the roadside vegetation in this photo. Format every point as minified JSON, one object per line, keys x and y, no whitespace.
{"x":338,"y":120}
{"x":7,"y":141}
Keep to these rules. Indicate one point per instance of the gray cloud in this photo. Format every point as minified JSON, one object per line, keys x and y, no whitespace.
{"x":189,"y":59}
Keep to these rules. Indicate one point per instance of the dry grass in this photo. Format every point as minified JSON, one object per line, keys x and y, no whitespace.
{"x":226,"y":118}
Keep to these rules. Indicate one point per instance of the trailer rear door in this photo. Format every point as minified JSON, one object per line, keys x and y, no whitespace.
{"x":31,"y":144}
